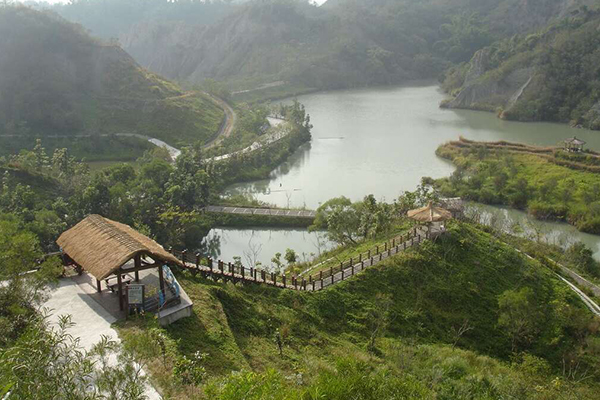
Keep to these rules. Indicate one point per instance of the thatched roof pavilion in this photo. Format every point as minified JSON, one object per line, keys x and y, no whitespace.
{"x":429,"y":214}
{"x":574,"y":144}
{"x":102,"y":247}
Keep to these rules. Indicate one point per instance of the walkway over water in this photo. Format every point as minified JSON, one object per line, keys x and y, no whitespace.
{"x":218,"y":270}
{"x":275,"y":212}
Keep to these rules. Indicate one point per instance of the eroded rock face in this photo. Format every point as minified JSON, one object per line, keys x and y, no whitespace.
{"x":485,"y":92}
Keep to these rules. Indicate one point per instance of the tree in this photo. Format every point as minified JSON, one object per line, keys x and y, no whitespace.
{"x":41,"y":158}
{"x":341,"y":220}
{"x":290,"y":256}
{"x":519,"y":316}
{"x":580,"y":257}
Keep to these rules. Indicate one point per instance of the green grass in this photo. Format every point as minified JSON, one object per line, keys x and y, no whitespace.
{"x":333,"y":258}
{"x":432,"y":292}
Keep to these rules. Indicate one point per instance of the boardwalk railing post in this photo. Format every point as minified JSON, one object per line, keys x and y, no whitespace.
{"x":342,"y":273}
{"x":360,"y":257}
{"x":332,"y":281}
{"x":331,"y":271}
{"x":313,"y":285}
{"x":362,"y":265}
{"x":369,"y":253}
{"x":321,"y":276}
{"x":304,"y":284}
{"x":231,"y":269}
{"x":210,"y":263}
{"x":263,"y":276}
{"x":394,"y":242}
{"x":377,"y":249}
{"x":310,"y":279}
{"x":385,"y":247}
{"x":296,"y":282}
{"x":274,"y":279}
{"x":283,"y":279}
{"x":183,"y":254}
{"x":221,"y":267}
{"x":352,"y":269}
{"x":243,"y":272}
{"x":251,"y":272}
{"x":197,"y":260}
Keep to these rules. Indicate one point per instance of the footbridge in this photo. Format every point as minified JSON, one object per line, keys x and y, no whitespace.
{"x":275,"y":212}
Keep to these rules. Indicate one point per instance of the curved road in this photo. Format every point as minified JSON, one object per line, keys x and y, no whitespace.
{"x":227,"y":125}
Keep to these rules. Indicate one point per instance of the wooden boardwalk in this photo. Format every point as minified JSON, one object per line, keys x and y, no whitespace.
{"x":218,"y":270}
{"x":275,"y":212}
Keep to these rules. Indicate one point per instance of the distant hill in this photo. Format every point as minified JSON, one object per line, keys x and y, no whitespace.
{"x":343,"y":43}
{"x":549,"y":75}
{"x":55,"y":79}
{"x":111,"y":18}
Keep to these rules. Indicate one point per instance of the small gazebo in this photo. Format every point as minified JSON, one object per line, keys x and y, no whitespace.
{"x":574,"y":145}
{"x":104,"y":249}
{"x":432,"y":216}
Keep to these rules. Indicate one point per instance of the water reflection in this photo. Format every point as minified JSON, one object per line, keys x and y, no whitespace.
{"x":522,"y":224}
{"x":259,"y":246}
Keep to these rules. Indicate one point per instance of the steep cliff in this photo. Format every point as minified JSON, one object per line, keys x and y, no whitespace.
{"x":550,"y":75}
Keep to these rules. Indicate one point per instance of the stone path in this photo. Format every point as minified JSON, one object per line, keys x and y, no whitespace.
{"x":91,"y":320}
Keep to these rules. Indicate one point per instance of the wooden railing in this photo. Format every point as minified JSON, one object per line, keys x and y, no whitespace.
{"x":217,"y":269}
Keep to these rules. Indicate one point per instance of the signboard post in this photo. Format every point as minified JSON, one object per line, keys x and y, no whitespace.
{"x":135,"y":297}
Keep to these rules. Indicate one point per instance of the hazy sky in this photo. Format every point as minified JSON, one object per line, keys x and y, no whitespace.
{"x":65,"y":1}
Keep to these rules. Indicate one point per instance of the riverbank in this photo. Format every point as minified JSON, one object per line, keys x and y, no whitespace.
{"x":550,"y":183}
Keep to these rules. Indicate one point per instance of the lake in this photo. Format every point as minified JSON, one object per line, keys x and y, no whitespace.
{"x":381,"y":141}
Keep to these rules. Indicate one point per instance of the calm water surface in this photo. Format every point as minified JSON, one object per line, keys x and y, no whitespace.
{"x":261,"y":245}
{"x":382,"y":141}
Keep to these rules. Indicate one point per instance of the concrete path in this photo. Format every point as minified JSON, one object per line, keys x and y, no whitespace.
{"x":91,"y":320}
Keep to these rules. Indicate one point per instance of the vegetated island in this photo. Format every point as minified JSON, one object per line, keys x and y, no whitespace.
{"x":547,"y":182}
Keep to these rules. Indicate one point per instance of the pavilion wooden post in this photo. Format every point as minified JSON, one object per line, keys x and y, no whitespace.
{"x":137,"y":261}
{"x":161,"y":281}
{"x":98,"y":285}
{"x":120,"y":290}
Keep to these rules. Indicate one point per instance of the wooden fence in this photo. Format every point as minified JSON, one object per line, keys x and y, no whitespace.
{"x":219,"y":270}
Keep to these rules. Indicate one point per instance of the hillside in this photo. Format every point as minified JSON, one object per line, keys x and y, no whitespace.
{"x":353,"y":43}
{"x":56,"y":80}
{"x":397,"y":323}
{"x":550,"y":75}
{"x":111,"y":18}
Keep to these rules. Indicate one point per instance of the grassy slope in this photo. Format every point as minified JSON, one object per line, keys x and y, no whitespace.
{"x":434,"y":290}
{"x":551,"y":190}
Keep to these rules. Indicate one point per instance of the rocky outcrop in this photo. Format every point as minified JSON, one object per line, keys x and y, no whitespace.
{"x":484,"y":91}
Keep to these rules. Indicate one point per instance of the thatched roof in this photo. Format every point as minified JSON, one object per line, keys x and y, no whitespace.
{"x":575,"y":141}
{"x":101,"y":246}
{"x":429,"y":213}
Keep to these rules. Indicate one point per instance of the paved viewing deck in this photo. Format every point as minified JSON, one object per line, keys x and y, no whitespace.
{"x":262,"y":211}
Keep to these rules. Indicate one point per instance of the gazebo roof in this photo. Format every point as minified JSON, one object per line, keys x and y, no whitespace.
{"x":429,"y":213}
{"x":575,"y":141}
{"x":101,"y":246}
